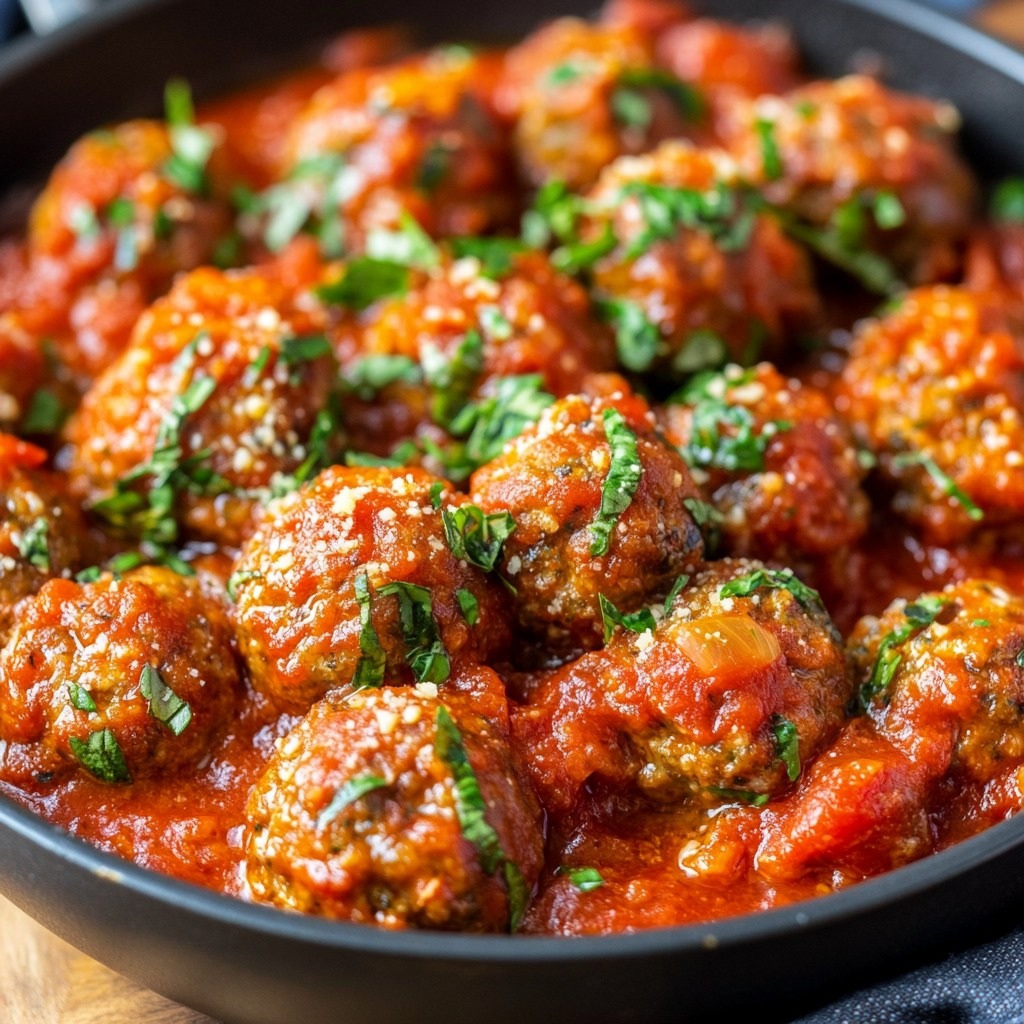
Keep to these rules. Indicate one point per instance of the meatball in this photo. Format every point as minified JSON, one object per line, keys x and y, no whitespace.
{"x":877,"y":167}
{"x":602,"y":509}
{"x":416,"y":137}
{"x":681,"y":250}
{"x":359,"y":578}
{"x":120,"y":201}
{"x":42,"y":533}
{"x":223,"y":394}
{"x":775,"y":462}
{"x":935,"y":389}
{"x":123,"y":678}
{"x":940,"y":678}
{"x":460,"y":332}
{"x":719,"y":700}
{"x":361,"y":815}
{"x":725,"y":60}
{"x":582,"y":95}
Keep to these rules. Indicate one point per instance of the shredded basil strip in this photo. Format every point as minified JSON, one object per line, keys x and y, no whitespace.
{"x":746,"y":796}
{"x":101,"y":756}
{"x":475,"y":536}
{"x":191,"y":146}
{"x":468,"y":605}
{"x":640,"y":621}
{"x":471,"y":811}
{"x":1007,"y":203}
{"x":453,"y":378}
{"x":34,"y":544}
{"x":1020,"y":658}
{"x":585,"y":879}
{"x":81,"y":698}
{"x":408,"y":245}
{"x":46,"y":414}
{"x":365,"y":281}
{"x":946,"y":483}
{"x":164,"y":704}
{"x":677,"y":587}
{"x":372,"y":660}
{"x":621,"y":483}
{"x":773,"y":579}
{"x":348,"y":794}
{"x":919,"y":615}
{"x":237,"y":579}
{"x":424,"y":652}
{"x":787,"y":745}
{"x":496,"y":255}
{"x":771,"y":159}
{"x":637,"y":340}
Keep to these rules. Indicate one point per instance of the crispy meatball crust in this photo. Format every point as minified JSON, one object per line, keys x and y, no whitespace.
{"x":692,"y":709}
{"x":417,"y":137}
{"x":850,"y":140}
{"x":79,"y":646}
{"x":735,"y":281}
{"x":563,"y":86}
{"x":231,"y":328}
{"x":551,"y":479}
{"x":935,"y":389}
{"x":298,"y":612}
{"x":396,"y":856}
{"x":796,"y":495}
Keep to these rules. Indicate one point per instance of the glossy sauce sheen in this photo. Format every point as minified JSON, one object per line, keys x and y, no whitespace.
{"x":733,"y":752}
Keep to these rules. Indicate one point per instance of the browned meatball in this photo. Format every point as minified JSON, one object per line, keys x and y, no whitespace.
{"x":362,"y":815}
{"x":941,"y":679}
{"x":584,"y":94}
{"x":42,"y":533}
{"x":600,"y":504}
{"x":935,"y":389}
{"x":877,"y":167}
{"x":223,"y":394}
{"x":457,"y":334}
{"x":720,"y":700}
{"x":690,"y":272}
{"x":416,"y":137}
{"x":775,"y":461}
{"x":353,"y":579}
{"x":125,"y":678}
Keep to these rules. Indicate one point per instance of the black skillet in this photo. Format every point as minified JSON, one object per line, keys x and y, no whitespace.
{"x":255,"y":965}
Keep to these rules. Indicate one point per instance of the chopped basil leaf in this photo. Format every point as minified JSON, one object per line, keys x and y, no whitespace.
{"x":888,"y":211}
{"x":626,"y":99}
{"x":771,"y":159}
{"x":743,"y":795}
{"x":585,"y":879}
{"x":562,"y":74}
{"x":1007,"y":204}
{"x":348,"y":794}
{"x":946,"y":483}
{"x":121,"y":214}
{"x":787,"y":745}
{"x":404,"y":454}
{"x":702,"y":350}
{"x":640,"y":621}
{"x":495,"y":324}
{"x":984,"y":623}
{"x":304,"y":349}
{"x":34,"y":545}
{"x":408,"y":246}
{"x":164,"y":704}
{"x":496,"y":255}
{"x":919,"y":615}
{"x":471,"y":810}
{"x":631,"y":108}
{"x":191,"y":146}
{"x":555,"y":215}
{"x":436,"y":490}
{"x":620,"y":485}
{"x":89,"y":575}
{"x":476,"y":537}
{"x":424,"y":651}
{"x":709,"y":521}
{"x":1020,"y":658}
{"x":773,"y":579}
{"x":178,"y":107}
{"x":468,"y":605}
{"x":453,"y":378}
{"x":364,"y":281}
{"x":83,"y":222}
{"x":677,"y":587}
{"x":374,"y":373}
{"x":101,"y":755}
{"x":372,"y":660}
{"x":46,"y":414}
{"x":872,"y":270}
{"x":637,"y":340}
{"x":237,"y":579}
{"x":81,"y":699}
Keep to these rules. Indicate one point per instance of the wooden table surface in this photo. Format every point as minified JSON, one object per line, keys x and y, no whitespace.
{"x":45,"y":981}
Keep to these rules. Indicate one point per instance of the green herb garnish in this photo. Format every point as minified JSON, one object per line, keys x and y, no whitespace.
{"x":771,"y":159}
{"x":191,"y":146}
{"x":352,"y":791}
{"x":773,"y":579}
{"x":365,"y":281}
{"x":947,"y":484}
{"x":475,"y":536}
{"x":408,"y":245}
{"x":34,"y":544}
{"x":101,"y":756}
{"x":496,"y":255}
{"x":81,"y":698}
{"x":640,"y":621}
{"x":46,"y":414}
{"x":424,"y":652}
{"x":585,"y":879}
{"x":745,"y":796}
{"x":468,"y":605}
{"x":621,"y":483}
{"x":637,"y":340}
{"x":372,"y":659}
{"x":787,"y":745}
{"x":164,"y":704}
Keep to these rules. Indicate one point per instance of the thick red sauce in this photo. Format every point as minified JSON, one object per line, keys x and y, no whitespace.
{"x":731,"y":212}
